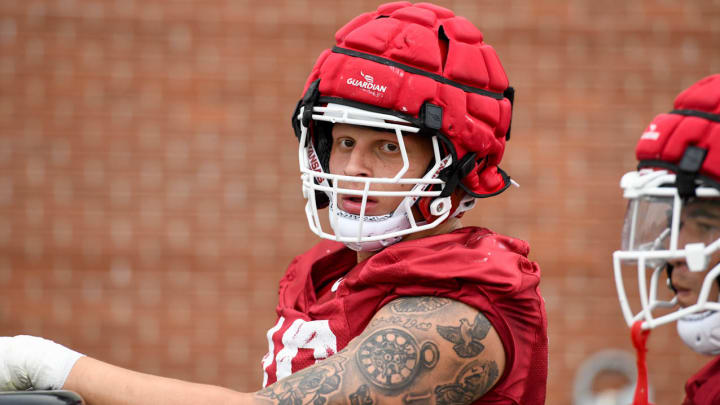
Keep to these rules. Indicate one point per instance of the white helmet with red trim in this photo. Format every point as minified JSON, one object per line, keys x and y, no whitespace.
{"x":410,"y":69}
{"x":677,"y":180}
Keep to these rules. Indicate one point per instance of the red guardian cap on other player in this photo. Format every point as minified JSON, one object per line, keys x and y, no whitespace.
{"x":686,"y":140}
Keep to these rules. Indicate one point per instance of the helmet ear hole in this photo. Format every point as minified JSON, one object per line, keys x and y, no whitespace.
{"x":467,"y":203}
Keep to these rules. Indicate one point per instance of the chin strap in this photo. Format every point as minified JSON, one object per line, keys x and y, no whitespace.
{"x":639,"y":340}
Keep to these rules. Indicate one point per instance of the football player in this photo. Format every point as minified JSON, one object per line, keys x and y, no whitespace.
{"x":401,"y":127}
{"x":672,"y":232}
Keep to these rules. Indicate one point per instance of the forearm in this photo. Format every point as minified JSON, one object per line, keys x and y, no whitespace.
{"x":104,"y":384}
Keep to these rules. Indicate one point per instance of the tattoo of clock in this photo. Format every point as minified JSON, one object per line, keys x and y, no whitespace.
{"x":391,"y":358}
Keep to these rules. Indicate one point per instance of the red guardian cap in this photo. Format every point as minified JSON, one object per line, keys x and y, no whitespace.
{"x":430,"y":67}
{"x":686,"y":140}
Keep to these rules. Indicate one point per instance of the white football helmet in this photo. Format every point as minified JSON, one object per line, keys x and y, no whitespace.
{"x":365,"y":232}
{"x":435,"y":79}
{"x":675,"y":185}
{"x":650,"y":239}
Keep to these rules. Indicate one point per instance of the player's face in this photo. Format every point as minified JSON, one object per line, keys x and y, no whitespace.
{"x":700,"y":222}
{"x":368,"y":152}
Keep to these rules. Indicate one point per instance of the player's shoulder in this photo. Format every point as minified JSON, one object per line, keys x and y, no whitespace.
{"x":326,"y":254}
{"x":326,"y":258}
{"x":467,"y":240}
{"x":486,"y":239}
{"x":462,"y":249}
{"x":704,"y":386}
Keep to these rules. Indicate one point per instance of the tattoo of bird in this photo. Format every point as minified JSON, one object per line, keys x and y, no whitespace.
{"x":467,"y":336}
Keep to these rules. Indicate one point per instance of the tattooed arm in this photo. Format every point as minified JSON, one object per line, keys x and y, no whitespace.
{"x":415,"y":350}
{"x":420,"y":350}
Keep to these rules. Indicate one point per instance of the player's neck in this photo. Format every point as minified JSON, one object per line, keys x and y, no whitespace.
{"x":446,"y":227}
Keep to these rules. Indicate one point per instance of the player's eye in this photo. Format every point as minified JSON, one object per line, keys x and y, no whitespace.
{"x":390,"y":147}
{"x":346,"y":142}
{"x":706,"y":227}
{"x":703,"y":229}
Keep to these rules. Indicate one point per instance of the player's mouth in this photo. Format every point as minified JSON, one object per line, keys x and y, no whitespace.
{"x":685,"y":296}
{"x":353,"y":203}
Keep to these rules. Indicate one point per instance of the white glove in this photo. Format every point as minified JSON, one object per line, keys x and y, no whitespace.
{"x":33,"y":363}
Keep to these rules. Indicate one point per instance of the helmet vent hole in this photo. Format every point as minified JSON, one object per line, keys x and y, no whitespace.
{"x":444,"y":43}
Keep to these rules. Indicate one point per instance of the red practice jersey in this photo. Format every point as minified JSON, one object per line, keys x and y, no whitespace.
{"x":703,"y":388}
{"x":476,"y":266}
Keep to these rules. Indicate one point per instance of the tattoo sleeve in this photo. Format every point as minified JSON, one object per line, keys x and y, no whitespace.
{"x":415,"y":351}
{"x":312,"y":385}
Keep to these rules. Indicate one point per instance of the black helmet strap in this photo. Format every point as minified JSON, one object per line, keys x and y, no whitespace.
{"x":689,"y":167}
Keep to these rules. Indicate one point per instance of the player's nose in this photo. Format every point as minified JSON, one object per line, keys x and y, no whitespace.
{"x":677,"y":264}
{"x":358,"y":163}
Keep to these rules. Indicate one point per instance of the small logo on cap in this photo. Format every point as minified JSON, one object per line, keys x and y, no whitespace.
{"x":367,"y":84}
{"x":651,"y":133}
{"x":367,"y":78}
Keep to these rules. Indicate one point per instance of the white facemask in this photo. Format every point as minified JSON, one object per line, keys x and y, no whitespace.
{"x":651,"y":238}
{"x":370,"y":233}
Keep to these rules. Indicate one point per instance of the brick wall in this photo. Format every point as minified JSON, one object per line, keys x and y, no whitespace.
{"x":149,"y":200}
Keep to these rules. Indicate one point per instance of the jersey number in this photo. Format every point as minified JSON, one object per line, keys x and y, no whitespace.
{"x":314,"y":335}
